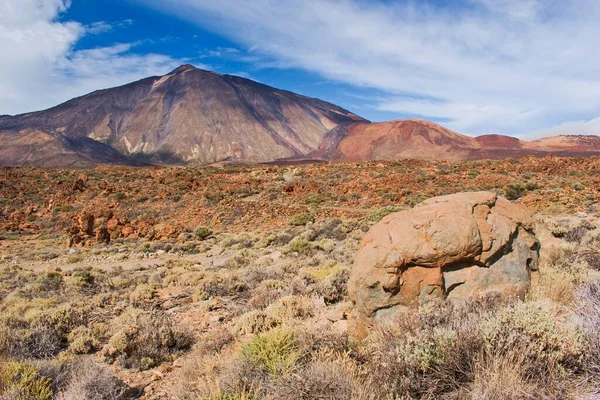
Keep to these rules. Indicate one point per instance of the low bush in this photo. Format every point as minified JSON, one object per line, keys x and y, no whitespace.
{"x":274,"y":352}
{"x":21,"y":381}
{"x":203,"y":232}
{"x":301,"y":246}
{"x":302,"y":219}
{"x":146,"y":340}
{"x":89,"y":381}
{"x":514,"y":191}
{"x":378,"y":215}
{"x":82,"y":340}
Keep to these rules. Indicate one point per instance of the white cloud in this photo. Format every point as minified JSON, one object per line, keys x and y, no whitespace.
{"x":40,"y":67}
{"x":508,"y":66}
{"x":589,"y":127}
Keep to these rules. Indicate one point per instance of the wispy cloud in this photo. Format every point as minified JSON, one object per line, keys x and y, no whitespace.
{"x":509,"y":66}
{"x":41,"y":67}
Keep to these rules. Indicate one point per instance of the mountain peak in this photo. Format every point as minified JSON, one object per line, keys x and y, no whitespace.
{"x":183,"y":68}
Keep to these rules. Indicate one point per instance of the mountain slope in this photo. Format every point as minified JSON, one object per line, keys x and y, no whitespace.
{"x":191,"y":116}
{"x":418,"y":139}
{"x":188,"y":116}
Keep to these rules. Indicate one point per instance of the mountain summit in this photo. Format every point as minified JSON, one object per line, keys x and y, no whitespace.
{"x":189,"y":116}
{"x":192,"y":116}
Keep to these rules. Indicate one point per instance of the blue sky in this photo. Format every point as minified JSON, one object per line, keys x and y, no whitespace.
{"x":521,"y":67}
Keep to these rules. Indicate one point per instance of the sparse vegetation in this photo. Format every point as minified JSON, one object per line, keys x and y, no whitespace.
{"x":206,"y":291}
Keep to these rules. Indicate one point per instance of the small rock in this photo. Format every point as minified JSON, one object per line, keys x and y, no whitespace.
{"x":73,"y":251}
{"x":341,"y":326}
{"x":335,"y":315}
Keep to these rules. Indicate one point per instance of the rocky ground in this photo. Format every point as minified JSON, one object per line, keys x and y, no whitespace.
{"x":231,"y":283}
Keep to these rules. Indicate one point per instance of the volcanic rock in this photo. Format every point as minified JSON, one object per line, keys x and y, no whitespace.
{"x":449,"y":247}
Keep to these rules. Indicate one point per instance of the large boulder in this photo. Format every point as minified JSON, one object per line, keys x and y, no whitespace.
{"x":448,"y":247}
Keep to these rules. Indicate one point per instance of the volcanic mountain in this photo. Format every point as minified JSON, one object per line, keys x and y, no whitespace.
{"x":192,"y":116}
{"x":418,"y":139}
{"x":188,"y":116}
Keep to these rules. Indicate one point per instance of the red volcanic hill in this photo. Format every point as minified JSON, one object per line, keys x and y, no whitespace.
{"x":191,"y":116}
{"x":418,"y":139}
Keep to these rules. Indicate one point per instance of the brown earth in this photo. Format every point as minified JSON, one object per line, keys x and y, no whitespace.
{"x":161,"y":203}
{"x":256,"y":271}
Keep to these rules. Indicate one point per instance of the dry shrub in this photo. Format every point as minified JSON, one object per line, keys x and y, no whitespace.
{"x":550,"y":349}
{"x":317,"y":380}
{"x":404,"y":362}
{"x":89,"y":381}
{"x":553,"y":284}
{"x":33,"y":341}
{"x":284,"y":310}
{"x":334,"y":288}
{"x":199,"y":377}
{"x":592,"y":259}
{"x":326,"y":343}
{"x":502,"y":378}
{"x":267,"y":292}
{"x":225,"y":284}
{"x":558,"y":277}
{"x":588,"y":311}
{"x":147,"y":340}
{"x":213,"y":341}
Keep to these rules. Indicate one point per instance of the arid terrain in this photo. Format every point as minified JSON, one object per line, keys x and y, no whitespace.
{"x":230,"y":282}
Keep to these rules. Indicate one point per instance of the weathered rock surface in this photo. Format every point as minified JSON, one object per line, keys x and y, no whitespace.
{"x":456,"y":247}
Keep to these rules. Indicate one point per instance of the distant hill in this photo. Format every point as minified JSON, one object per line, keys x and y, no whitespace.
{"x":188,"y":116}
{"x":192,"y":116}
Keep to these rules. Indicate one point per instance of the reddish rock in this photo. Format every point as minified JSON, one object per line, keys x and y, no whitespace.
{"x":456,"y":246}
{"x":102,"y":235}
{"x":86,"y":223}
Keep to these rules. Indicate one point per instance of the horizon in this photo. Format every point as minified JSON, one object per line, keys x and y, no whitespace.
{"x":61,"y":49}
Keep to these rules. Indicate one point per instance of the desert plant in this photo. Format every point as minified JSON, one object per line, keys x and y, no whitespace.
{"x":89,"y":381}
{"x":19,"y":380}
{"x":274,"y":352}
{"x":203,"y":232}
{"x":515,"y":191}
{"x":82,"y":340}
{"x":300,"y":246}
{"x":302,"y":219}
{"x":378,"y":215}
{"x":148,"y":339}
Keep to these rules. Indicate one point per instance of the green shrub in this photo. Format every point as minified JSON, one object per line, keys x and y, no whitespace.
{"x":515,"y":191}
{"x":314,"y":199}
{"x":82,"y":340}
{"x":378,"y":215}
{"x":300,"y":246}
{"x":203,"y":232}
{"x":302,"y":219}
{"x":74,"y":259}
{"x":23,"y":381}
{"x":274,"y":352}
